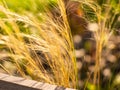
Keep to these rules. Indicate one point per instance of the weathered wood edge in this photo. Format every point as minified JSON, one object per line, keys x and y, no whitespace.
{"x":8,"y":82}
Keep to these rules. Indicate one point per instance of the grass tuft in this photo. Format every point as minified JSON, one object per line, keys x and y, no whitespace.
{"x":42,"y":49}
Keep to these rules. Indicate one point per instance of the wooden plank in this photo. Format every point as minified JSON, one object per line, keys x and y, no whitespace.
{"x":12,"y":86}
{"x":12,"y":79}
{"x":3,"y":75}
{"x":17,"y":83}
{"x":44,"y":86}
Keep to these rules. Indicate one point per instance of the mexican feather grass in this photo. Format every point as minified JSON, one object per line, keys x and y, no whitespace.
{"x":41,"y":49}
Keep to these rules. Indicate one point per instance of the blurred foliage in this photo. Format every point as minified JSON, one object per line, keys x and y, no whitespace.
{"x":91,"y":86}
{"x":20,"y":6}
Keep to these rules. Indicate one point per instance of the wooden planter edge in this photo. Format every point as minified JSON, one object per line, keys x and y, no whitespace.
{"x":8,"y":82}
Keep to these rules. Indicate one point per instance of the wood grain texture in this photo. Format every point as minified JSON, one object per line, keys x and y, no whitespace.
{"x":8,"y":82}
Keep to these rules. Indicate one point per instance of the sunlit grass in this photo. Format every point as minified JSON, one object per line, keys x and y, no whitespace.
{"x":45,"y":53}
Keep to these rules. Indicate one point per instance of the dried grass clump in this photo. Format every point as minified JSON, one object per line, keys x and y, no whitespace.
{"x":42,"y":49}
